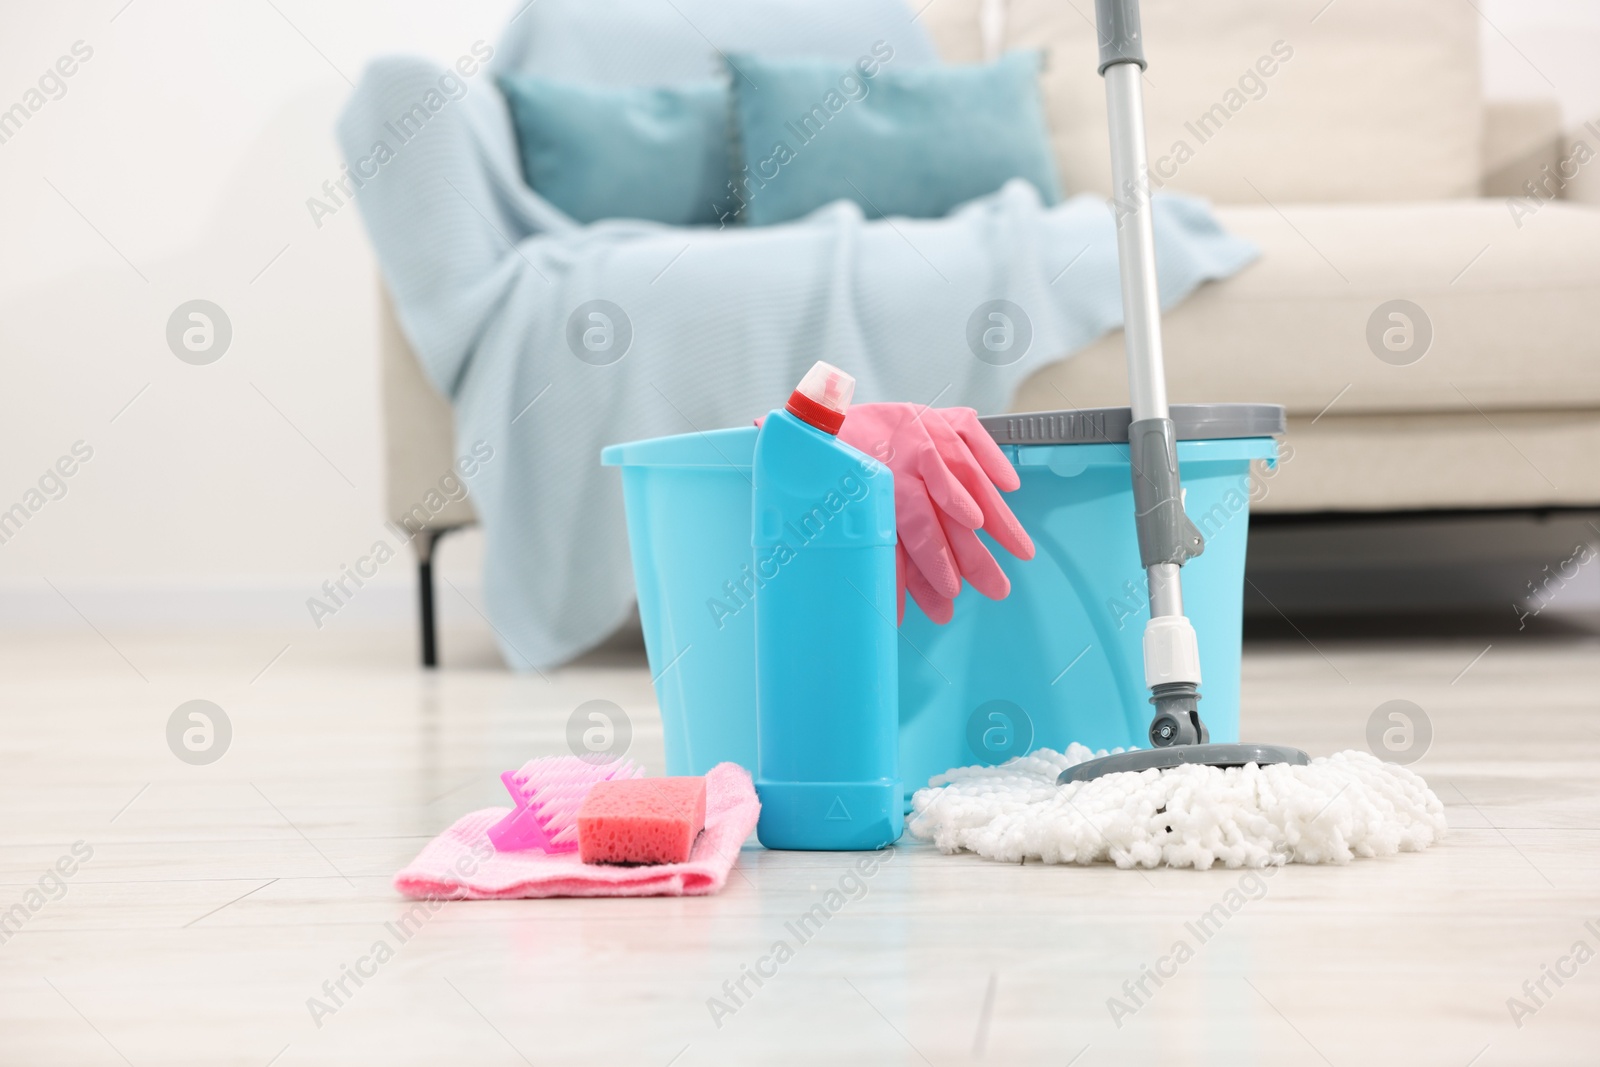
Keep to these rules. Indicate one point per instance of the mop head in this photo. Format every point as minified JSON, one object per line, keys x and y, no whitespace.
{"x":1338,"y":807}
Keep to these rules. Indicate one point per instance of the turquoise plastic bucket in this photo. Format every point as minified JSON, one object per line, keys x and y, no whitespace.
{"x":1057,"y":661}
{"x":688,"y":502}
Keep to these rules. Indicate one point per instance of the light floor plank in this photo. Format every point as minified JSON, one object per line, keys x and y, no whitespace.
{"x":219,"y":898}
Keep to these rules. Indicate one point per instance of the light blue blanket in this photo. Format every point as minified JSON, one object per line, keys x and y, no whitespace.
{"x":487,"y":279}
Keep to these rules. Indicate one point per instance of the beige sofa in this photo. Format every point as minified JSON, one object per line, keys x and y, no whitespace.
{"x":1351,"y":143}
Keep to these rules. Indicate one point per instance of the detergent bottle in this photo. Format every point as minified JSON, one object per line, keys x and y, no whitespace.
{"x":827,"y":678}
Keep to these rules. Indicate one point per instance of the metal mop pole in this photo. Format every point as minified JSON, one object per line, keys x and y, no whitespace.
{"x":1166,"y":536}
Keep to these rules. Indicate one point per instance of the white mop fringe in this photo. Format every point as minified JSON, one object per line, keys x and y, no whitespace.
{"x":1339,"y":807}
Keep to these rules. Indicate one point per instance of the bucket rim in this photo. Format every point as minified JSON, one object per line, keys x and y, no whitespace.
{"x":733,"y":447}
{"x":1193,"y":422}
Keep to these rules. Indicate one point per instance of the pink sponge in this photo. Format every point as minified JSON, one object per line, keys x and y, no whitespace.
{"x":641,"y":820}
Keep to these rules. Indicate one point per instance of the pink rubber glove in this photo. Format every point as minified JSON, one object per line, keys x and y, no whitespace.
{"x":948,"y":475}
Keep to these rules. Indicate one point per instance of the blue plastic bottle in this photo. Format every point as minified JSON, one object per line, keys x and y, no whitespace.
{"x":827,"y":674}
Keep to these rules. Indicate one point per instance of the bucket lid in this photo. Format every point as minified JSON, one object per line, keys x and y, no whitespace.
{"x":1074,"y":426}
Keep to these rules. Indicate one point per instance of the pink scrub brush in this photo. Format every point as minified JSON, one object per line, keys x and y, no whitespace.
{"x":548,"y":792}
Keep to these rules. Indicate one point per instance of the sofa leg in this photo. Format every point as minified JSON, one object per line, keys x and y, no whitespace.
{"x":430,"y":654}
{"x":425,"y":543}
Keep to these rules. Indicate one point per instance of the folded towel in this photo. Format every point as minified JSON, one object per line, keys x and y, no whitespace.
{"x":461,"y":864}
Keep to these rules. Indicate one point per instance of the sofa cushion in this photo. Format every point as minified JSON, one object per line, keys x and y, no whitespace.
{"x":914,"y":142}
{"x":1510,"y":309}
{"x":623,"y":152}
{"x":666,"y":42}
{"x":1443,"y":460}
{"x":1365,"y":100}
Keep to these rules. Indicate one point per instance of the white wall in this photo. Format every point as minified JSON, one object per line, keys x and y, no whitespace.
{"x":177,"y":166}
{"x":1543,"y":48}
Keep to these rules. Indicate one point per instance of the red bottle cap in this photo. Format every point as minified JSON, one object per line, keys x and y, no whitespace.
{"x":822,"y":397}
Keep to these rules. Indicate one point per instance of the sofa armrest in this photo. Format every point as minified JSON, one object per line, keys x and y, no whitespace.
{"x":1581,"y":159}
{"x":422,"y":490}
{"x":1520,"y":137}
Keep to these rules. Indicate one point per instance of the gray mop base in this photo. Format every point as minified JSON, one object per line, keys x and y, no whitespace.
{"x":1179,"y":755}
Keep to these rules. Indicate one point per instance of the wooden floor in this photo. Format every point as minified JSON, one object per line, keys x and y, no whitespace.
{"x":208,"y":904}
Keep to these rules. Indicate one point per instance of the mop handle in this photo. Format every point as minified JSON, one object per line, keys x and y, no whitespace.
{"x":1166,"y":536}
{"x":1121,"y":64}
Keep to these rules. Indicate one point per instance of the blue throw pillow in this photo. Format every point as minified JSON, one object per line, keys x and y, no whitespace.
{"x":601,"y":152}
{"x":911,"y":141}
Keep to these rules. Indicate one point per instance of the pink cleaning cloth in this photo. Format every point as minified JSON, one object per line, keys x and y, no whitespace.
{"x":461,"y":864}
